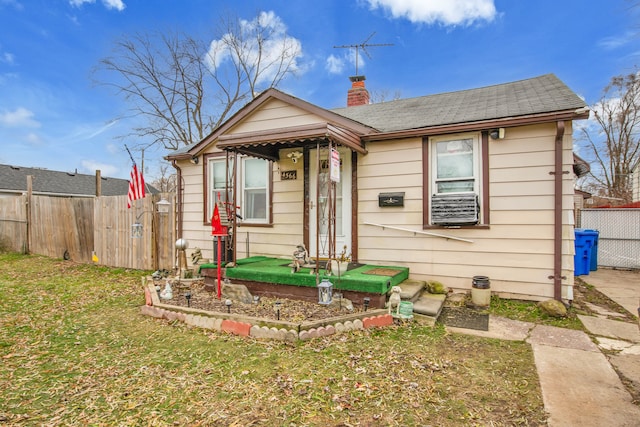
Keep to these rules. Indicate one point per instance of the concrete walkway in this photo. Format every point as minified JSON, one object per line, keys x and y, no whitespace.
{"x":580,"y":386}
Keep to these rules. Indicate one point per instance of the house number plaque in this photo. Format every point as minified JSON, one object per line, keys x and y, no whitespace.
{"x":288,"y":175}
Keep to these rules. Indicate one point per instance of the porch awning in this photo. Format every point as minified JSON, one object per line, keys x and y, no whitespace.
{"x":266,"y":144}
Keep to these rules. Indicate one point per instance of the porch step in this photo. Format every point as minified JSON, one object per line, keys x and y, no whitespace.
{"x":429,"y":304}
{"x":411,"y":289}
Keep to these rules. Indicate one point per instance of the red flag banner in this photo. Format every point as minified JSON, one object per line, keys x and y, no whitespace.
{"x":136,"y":186}
{"x":216,"y":225}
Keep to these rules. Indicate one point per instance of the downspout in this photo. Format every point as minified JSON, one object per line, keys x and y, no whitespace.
{"x":178,"y":202}
{"x":557,"y":217}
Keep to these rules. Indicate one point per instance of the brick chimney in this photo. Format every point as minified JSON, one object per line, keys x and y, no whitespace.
{"x":358,"y":94}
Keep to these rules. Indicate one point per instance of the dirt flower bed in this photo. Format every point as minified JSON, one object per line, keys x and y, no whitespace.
{"x":291,"y":310}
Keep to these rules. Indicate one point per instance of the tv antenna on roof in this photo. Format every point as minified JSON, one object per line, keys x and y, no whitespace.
{"x":362,"y":46}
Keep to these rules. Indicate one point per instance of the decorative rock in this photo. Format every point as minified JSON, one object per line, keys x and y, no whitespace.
{"x":435,"y":287}
{"x":304,"y":335}
{"x":341,"y":304}
{"x":553,"y":308}
{"x":188,"y":319}
{"x":209,"y":323}
{"x":255,"y":331}
{"x":291,"y":336}
{"x":348,"y":325}
{"x":237,"y":293}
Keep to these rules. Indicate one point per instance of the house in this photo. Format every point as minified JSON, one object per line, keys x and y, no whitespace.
{"x":452,"y":185}
{"x":13,"y":181}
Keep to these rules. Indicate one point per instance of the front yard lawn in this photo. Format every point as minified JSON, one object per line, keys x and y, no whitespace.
{"x":75,"y":350}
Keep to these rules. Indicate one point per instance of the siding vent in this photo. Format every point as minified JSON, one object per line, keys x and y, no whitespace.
{"x":454,"y":209}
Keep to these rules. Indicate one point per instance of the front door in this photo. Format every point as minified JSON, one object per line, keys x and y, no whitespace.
{"x":319,"y":236}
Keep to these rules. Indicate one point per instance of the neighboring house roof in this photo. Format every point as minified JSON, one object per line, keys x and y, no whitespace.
{"x":13,"y":179}
{"x":536,"y":100}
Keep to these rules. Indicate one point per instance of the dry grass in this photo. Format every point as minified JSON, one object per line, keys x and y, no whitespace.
{"x":74,"y":350}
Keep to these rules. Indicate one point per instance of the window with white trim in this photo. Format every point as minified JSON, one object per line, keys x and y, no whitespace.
{"x":454,"y":171}
{"x":253,"y":183}
{"x":455,"y":165}
{"x":255,"y":190}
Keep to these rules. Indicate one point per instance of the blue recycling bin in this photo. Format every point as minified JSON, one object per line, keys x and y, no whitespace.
{"x":585,"y":242}
{"x":593,"y":265}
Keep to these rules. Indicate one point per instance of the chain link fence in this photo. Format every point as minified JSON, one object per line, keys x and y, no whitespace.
{"x":619,"y":238}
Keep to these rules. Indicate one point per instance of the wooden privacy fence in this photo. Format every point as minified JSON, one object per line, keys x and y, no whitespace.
{"x":79,"y":228}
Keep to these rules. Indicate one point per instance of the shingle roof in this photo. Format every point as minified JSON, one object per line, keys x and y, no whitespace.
{"x":14,"y":179}
{"x":544,"y":94}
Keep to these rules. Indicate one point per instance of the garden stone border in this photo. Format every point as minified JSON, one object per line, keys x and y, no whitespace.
{"x":257,"y":327}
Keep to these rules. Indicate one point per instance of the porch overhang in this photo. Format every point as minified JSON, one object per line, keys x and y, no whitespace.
{"x":266,"y":144}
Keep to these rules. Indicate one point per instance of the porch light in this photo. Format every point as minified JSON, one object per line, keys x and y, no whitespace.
{"x":325,"y":291}
{"x":163,"y":206}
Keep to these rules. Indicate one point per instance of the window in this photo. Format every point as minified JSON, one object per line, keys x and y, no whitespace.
{"x":455,"y":180}
{"x":454,"y":164}
{"x":253,"y":183}
{"x":255,"y":194}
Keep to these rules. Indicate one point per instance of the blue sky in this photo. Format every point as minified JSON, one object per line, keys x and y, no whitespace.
{"x":53,"y":116}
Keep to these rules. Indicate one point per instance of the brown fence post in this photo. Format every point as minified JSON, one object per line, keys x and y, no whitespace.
{"x":29,"y":204}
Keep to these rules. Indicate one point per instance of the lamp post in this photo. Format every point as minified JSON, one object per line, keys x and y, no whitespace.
{"x":366,"y":300}
{"x":188,"y":297}
{"x":277,"y":306}
{"x":228,"y":304}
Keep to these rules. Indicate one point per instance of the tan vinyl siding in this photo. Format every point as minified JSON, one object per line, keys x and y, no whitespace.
{"x":275,"y":114}
{"x":516,"y":251}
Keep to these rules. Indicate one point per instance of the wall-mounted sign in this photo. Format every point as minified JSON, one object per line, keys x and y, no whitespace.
{"x":288,"y":175}
{"x":334,"y":170}
{"x":390,"y":199}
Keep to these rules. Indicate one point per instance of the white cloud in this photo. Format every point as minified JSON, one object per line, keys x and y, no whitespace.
{"x":21,"y":117}
{"x":448,"y":12}
{"x":615,"y":42}
{"x":7,"y":58}
{"x":91,"y":166}
{"x":109,"y":4}
{"x":34,"y":139}
{"x":114,"y":4}
{"x":277,"y":44}
{"x":334,"y":64}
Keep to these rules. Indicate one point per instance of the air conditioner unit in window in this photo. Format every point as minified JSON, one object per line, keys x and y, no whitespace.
{"x":454,"y":209}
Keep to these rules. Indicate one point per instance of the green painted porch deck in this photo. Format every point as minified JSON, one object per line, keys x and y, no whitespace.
{"x":357,"y":278}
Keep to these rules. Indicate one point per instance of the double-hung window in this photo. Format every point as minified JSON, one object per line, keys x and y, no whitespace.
{"x":253,"y":183}
{"x":255,"y":190}
{"x":455,"y":165}
{"x":454,"y":175}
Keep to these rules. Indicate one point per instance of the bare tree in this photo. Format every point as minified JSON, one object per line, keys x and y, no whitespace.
{"x":385,"y":95}
{"x":613,"y":140}
{"x":165,"y":182}
{"x":183,"y":88}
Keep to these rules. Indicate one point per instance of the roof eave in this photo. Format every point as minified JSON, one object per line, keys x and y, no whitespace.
{"x":530,"y":119}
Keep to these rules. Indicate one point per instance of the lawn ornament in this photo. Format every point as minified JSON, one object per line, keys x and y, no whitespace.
{"x":394,"y":301}
{"x":167,"y":292}
{"x":300,"y":258}
{"x":196,"y":256}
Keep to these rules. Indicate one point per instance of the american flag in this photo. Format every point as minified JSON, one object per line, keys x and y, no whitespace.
{"x":136,"y":186}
